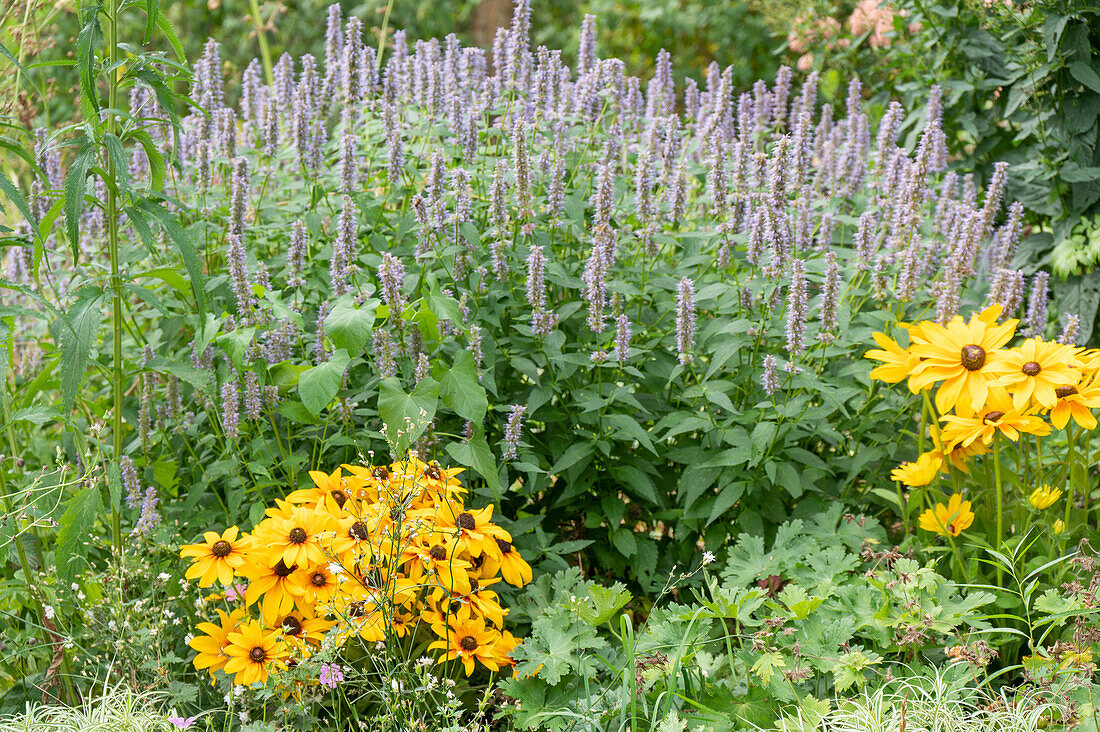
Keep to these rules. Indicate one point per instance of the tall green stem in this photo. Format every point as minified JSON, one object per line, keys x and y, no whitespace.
{"x":999,"y":498}
{"x":265,"y":50}
{"x":112,"y":247}
{"x":1071,"y":456}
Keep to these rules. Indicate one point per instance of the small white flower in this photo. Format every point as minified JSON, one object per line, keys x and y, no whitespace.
{"x":48,"y":611}
{"x":708,"y":557}
{"x":164,"y":576}
{"x":336,"y":568}
{"x":75,"y":586}
{"x":80,"y":595}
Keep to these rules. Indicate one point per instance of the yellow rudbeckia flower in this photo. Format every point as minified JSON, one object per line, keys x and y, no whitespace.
{"x":959,"y":355}
{"x":1044,"y":497}
{"x":919,"y":472}
{"x":950,"y":520}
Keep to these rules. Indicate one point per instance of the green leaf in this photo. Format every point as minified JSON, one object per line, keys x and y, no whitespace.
{"x":766,"y":666}
{"x":236,"y":343}
{"x":350,"y":327}
{"x":20,"y":202}
{"x":118,"y":161}
{"x":114,"y":485}
{"x":1086,"y":75}
{"x":75,"y":334}
{"x":76,"y":181}
{"x":36,"y":415}
{"x":87,"y":41}
{"x":182,"y":241}
{"x":157,"y":169}
{"x":475,"y":453}
{"x":406,"y":416}
{"x":318,"y":386}
{"x":603,"y":603}
{"x":76,"y":526}
{"x":182,"y":371}
{"x":460,"y":390}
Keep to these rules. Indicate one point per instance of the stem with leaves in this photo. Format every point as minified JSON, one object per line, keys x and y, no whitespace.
{"x":112,"y":212}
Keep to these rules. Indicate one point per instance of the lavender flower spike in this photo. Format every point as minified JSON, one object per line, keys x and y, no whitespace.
{"x":685,"y":319}
{"x":513,"y":431}
{"x":770,"y":377}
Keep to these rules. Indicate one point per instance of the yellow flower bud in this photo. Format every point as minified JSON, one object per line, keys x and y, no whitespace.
{"x":1059,"y":526}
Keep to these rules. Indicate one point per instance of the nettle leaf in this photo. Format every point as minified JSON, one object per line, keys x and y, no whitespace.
{"x":406,"y":416}
{"x":77,"y":524}
{"x":318,"y":386}
{"x":350,"y":327}
{"x":75,"y":334}
{"x":76,"y":181}
{"x":460,"y":390}
{"x":182,"y":241}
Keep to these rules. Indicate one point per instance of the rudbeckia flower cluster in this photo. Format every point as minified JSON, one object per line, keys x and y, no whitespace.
{"x":984,"y":389}
{"x":377,"y":553}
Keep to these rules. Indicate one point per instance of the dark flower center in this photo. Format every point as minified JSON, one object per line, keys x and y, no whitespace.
{"x":992,"y":417}
{"x":282,"y":570}
{"x":381,"y":473}
{"x":1064,"y":391}
{"x":1031,"y":368}
{"x":359,"y":531}
{"x":356,"y":610}
{"x":474,"y":585}
{"x":432,"y":472}
{"x":505,"y":546}
{"x":292,"y":626}
{"x":221,"y":548}
{"x":340,"y":497}
{"x":318,"y":580}
{"x":973,"y":357}
{"x":438,"y":553}
{"x":466,"y":521}
{"x":258,"y":654}
{"x":397,"y":514}
{"x":468,"y":643}
{"x":477,"y":561}
{"x":297,"y":535}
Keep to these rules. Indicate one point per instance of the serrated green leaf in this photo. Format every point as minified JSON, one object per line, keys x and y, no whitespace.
{"x":76,"y":180}
{"x":182,"y":241}
{"x":75,"y":334}
{"x":76,"y":525}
